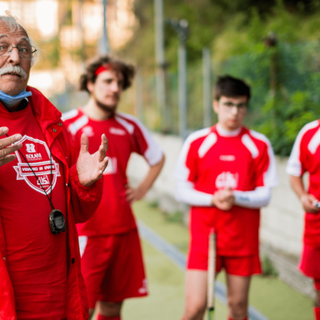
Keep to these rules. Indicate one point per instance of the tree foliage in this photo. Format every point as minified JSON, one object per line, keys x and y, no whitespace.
{"x":284,"y":77}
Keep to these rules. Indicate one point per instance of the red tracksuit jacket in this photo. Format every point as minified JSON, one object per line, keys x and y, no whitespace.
{"x":82,"y":203}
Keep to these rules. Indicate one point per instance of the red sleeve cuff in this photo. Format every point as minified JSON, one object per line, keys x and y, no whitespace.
{"x":90,"y":193}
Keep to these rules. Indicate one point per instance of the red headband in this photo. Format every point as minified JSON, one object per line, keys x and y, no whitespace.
{"x":102,"y":68}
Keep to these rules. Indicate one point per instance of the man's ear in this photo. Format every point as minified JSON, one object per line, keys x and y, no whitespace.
{"x":215,"y":106}
{"x":90,"y":86}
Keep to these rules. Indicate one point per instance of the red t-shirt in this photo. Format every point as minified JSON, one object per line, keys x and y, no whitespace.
{"x":36,"y":258}
{"x":125,"y":135}
{"x":210,"y":161}
{"x":305,"y":157}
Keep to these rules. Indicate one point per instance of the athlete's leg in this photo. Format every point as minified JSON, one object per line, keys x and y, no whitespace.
{"x":100,"y":317}
{"x":310,"y":266}
{"x":108,"y":310}
{"x":195,"y":294}
{"x":317,"y":302}
{"x":237,"y":295}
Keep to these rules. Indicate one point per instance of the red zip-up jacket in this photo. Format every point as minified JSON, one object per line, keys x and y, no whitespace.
{"x":82,"y":203}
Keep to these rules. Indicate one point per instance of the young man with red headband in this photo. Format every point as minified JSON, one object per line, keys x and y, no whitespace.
{"x":225,"y":173}
{"x":112,"y":262}
{"x":305,"y":157}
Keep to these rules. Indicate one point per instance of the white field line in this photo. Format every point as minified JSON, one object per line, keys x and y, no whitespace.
{"x":179,"y":259}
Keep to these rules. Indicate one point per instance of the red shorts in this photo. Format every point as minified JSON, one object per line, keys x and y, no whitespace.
{"x":237,"y":265}
{"x":310,"y":262}
{"x":113,"y":269}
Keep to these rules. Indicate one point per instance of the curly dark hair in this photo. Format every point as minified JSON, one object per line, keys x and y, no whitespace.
{"x":127,"y":71}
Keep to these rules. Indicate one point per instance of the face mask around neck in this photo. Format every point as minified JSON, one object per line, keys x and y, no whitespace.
{"x":10,"y":101}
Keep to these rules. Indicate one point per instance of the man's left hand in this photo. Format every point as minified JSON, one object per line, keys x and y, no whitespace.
{"x":134,"y":194}
{"x":90,"y":167}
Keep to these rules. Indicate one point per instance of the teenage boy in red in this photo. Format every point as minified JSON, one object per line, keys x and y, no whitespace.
{"x":305,"y":157}
{"x":112,"y":261}
{"x":40,"y":274}
{"x":225,"y":173}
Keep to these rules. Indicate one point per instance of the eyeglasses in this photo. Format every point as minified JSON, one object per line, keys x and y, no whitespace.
{"x":240,"y":106}
{"x":25,"y":51}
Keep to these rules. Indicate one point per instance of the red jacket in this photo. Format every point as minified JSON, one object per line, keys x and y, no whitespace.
{"x":82,"y":203}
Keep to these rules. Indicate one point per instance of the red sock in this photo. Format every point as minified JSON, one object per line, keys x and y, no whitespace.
{"x":316,"y":313}
{"x":100,"y":317}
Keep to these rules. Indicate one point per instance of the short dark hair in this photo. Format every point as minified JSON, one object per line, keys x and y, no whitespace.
{"x":126,"y":69}
{"x":230,"y":87}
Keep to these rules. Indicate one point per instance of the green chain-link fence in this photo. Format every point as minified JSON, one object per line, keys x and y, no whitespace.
{"x":285,"y":82}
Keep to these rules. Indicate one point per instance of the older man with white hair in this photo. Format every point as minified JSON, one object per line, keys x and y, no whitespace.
{"x":44,"y":190}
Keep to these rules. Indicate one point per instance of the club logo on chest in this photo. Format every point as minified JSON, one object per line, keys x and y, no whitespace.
{"x":227,"y":180}
{"x":36,"y":156}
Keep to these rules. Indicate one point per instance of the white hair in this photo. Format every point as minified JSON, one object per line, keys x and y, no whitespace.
{"x":12,"y":23}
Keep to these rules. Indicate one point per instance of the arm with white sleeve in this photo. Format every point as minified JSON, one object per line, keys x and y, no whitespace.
{"x":185,"y":173}
{"x":296,"y":169}
{"x":266,"y":179}
{"x":146,"y":146}
{"x":185,"y":192}
{"x":258,"y":198}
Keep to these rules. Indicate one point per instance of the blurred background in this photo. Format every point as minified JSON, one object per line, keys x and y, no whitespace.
{"x":179,"y":48}
{"x":273,"y":45}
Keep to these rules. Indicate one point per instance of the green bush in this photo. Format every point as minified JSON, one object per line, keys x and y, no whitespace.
{"x":268,"y":269}
{"x":284,"y":82}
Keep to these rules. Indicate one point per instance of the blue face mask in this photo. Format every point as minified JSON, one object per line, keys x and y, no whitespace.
{"x":10,"y":101}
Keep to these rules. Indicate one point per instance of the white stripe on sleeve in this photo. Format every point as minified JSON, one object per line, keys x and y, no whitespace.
{"x":294,"y":164}
{"x":154,"y":153}
{"x":270,"y":178}
{"x":78,"y":124}
{"x":185,"y":191}
{"x":258,"y":198}
{"x":314,"y":142}
{"x":69,"y":114}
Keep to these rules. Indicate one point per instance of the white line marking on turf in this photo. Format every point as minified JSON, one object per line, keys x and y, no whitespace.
{"x":179,"y":259}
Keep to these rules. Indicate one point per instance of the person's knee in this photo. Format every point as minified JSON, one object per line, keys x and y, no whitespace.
{"x":317,"y":291}
{"x":110,"y":309}
{"x":317,"y":299}
{"x":194,"y":310}
{"x":238,"y":308}
{"x":91,"y":311}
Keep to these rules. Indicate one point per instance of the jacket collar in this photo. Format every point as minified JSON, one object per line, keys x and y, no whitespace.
{"x":45,"y":112}
{"x":47,"y":115}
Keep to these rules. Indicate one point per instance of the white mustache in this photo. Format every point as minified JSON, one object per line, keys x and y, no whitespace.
{"x":13,"y":69}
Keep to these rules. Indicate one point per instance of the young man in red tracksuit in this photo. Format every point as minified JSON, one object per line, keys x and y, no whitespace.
{"x":112,"y":261}
{"x":225,"y":173}
{"x":305,"y":157}
{"x":45,"y":189}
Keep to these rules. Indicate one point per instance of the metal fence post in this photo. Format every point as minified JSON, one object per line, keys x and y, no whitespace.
{"x":139,"y":95}
{"x":104,"y":47}
{"x":182,"y":29}
{"x":207,"y":97}
{"x":161,"y":64}
{"x":182,"y":94}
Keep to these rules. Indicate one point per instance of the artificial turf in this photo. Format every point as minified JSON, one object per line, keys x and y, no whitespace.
{"x":270,"y":296}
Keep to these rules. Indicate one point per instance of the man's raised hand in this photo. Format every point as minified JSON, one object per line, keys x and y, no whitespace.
{"x":90,"y":167}
{"x":7,"y":148}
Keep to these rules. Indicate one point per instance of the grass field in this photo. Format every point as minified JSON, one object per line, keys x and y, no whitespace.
{"x":270,"y":296}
